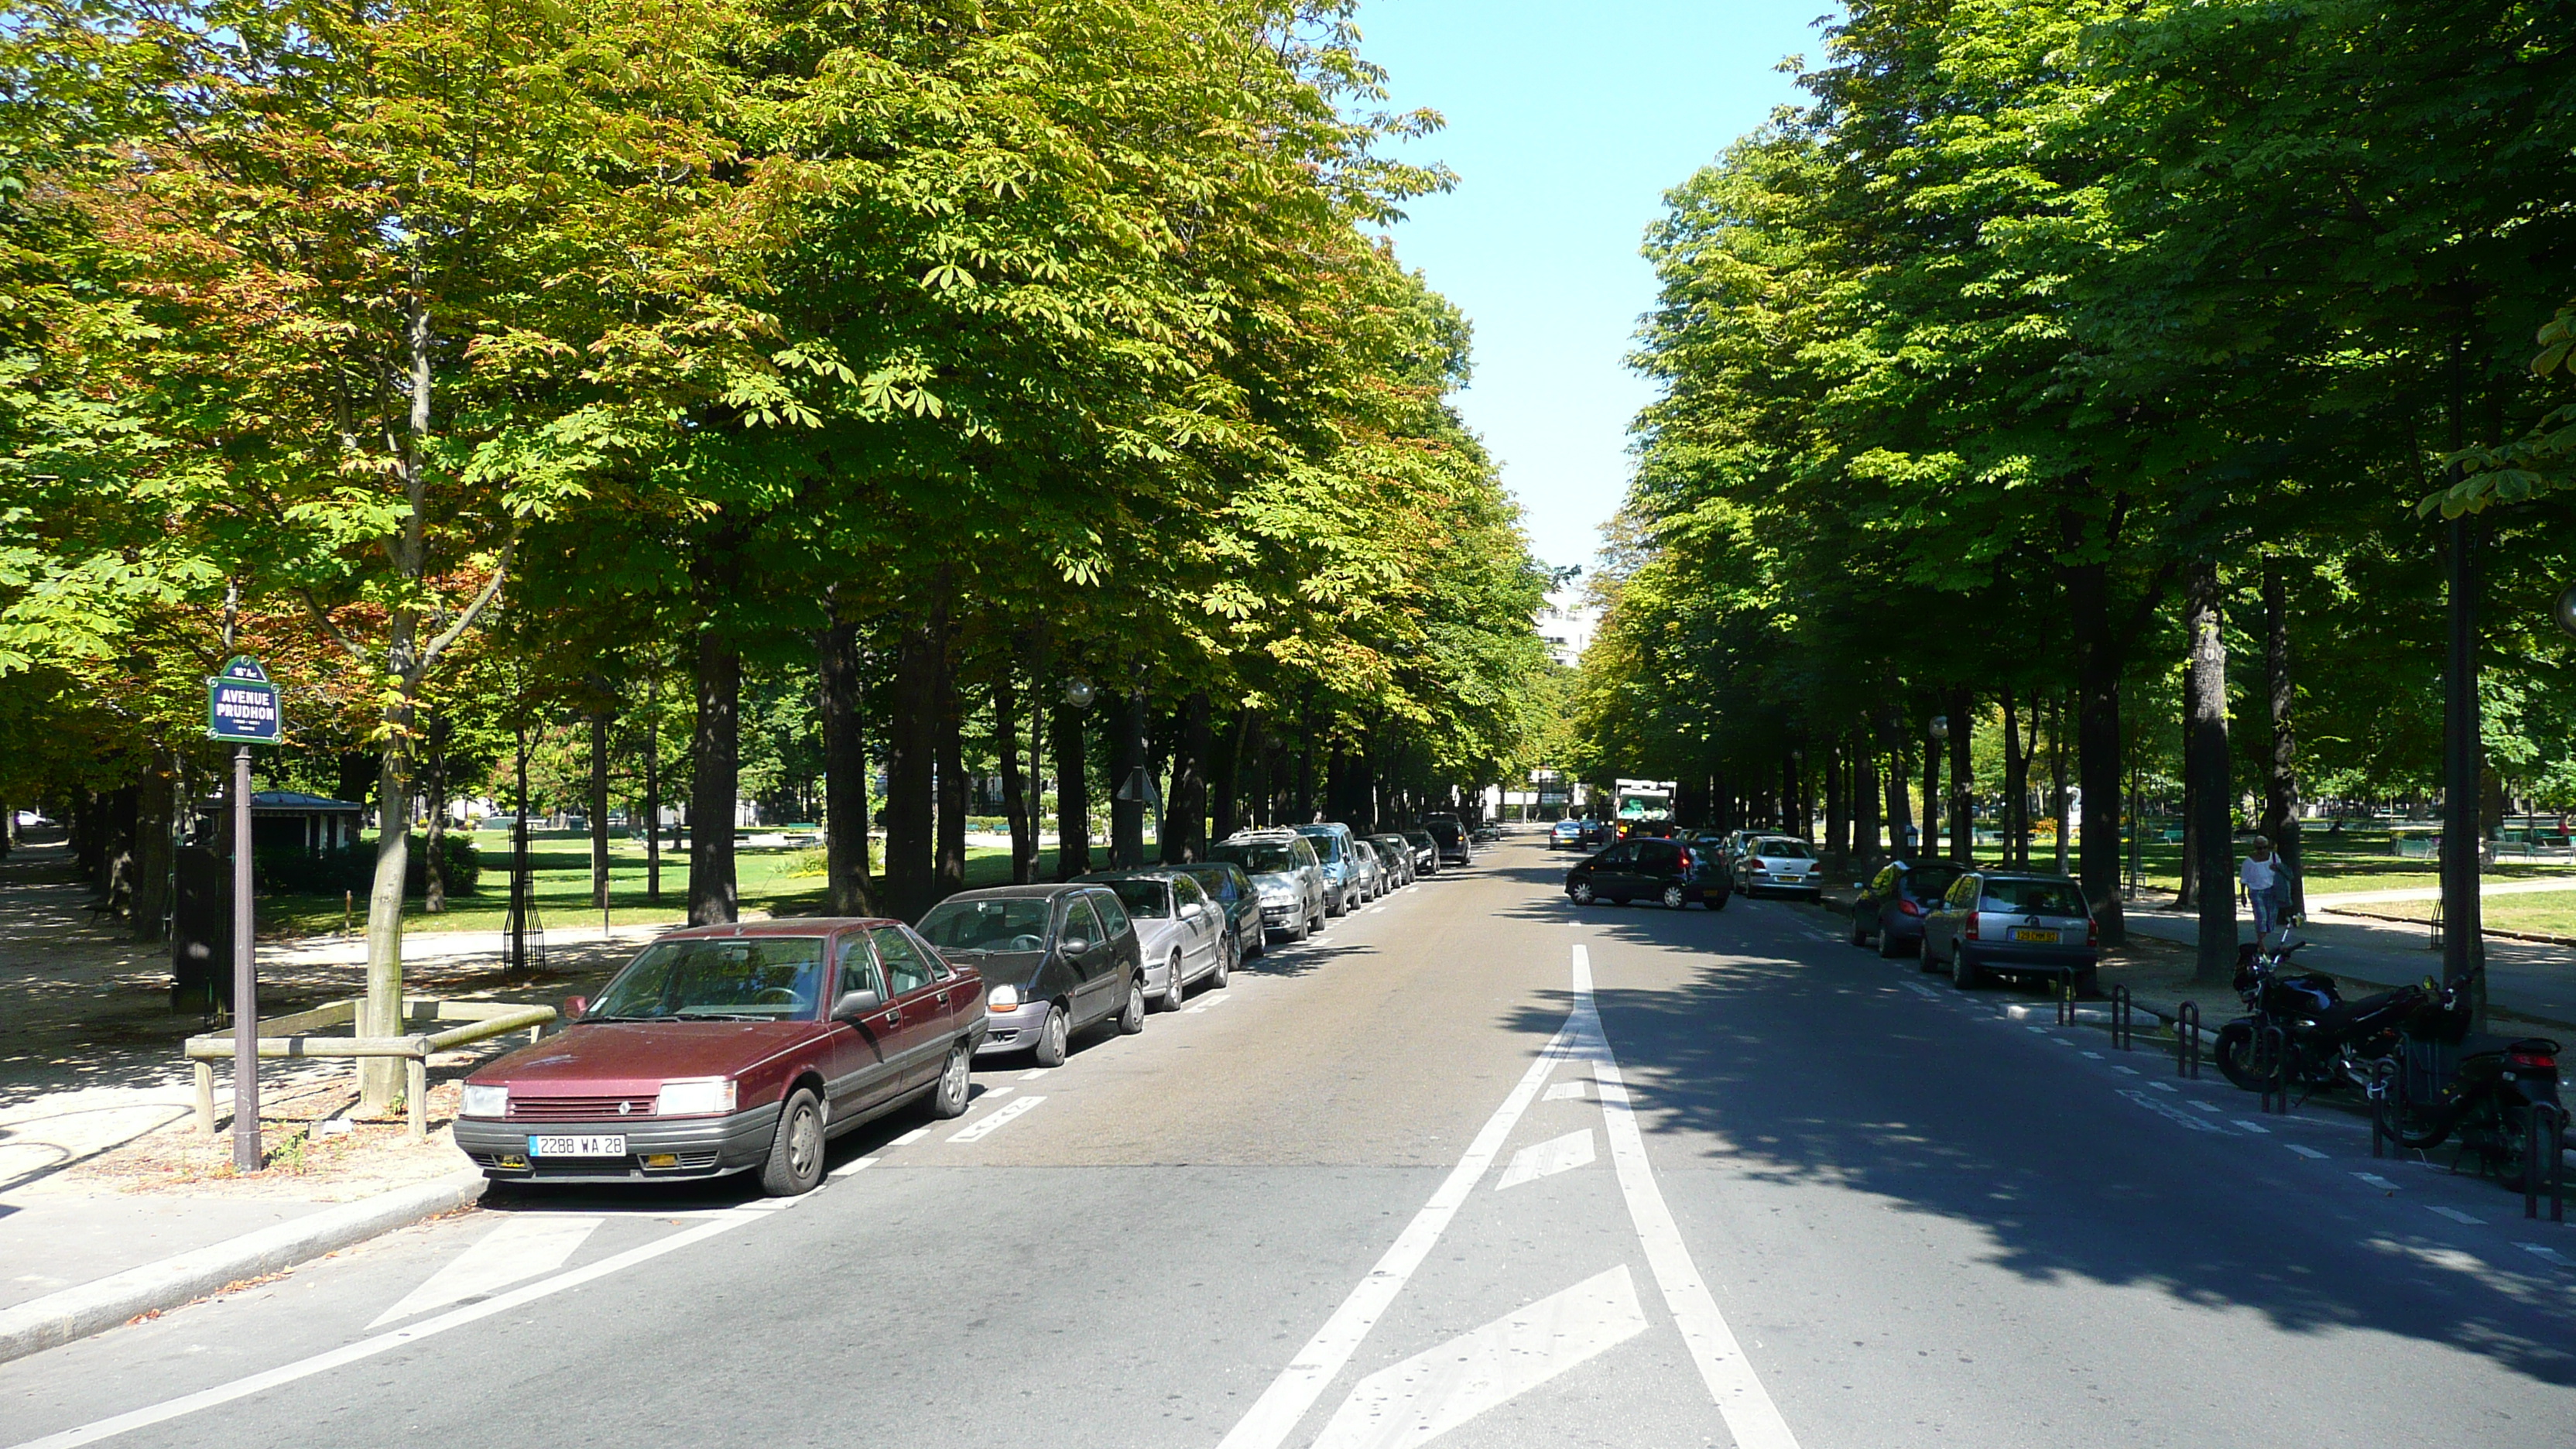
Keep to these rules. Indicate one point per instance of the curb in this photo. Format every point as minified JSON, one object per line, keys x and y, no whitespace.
{"x":76,"y":1313}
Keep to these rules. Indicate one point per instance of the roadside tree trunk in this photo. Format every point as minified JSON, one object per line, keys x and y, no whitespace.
{"x":715,"y":761}
{"x":948,"y":862}
{"x":1127,"y":779}
{"x":1837,"y":810}
{"x":1963,"y":778}
{"x":1072,"y":796}
{"x":1006,"y":748}
{"x":911,"y":745}
{"x":433,"y":867}
{"x":2057,"y":801}
{"x":2206,"y":766}
{"x":653,"y":784}
{"x":1185,"y":813}
{"x":1225,"y":777}
{"x":2281,"y":778}
{"x":598,"y":817}
{"x":843,"y":701}
{"x":2016,"y":821}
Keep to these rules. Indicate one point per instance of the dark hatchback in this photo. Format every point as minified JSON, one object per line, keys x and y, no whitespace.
{"x":1894,"y":904}
{"x":1651,"y":869}
{"x":1055,"y":959}
{"x":726,"y":1049}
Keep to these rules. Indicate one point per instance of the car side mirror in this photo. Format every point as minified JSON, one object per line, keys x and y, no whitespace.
{"x":856,"y":1003}
{"x":576,"y":1007}
{"x":1073,"y":945}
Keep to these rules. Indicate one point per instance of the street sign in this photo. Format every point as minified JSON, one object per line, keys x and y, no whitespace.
{"x":241,"y":705}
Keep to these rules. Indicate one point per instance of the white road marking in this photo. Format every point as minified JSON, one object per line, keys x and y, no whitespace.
{"x":2169,"y":1111}
{"x":2307,"y":1152}
{"x":2257,"y":1128}
{"x":856,"y":1164}
{"x":911,"y":1137}
{"x":1547,"y":1159}
{"x":985,"y":1127}
{"x":1033,"y":1073}
{"x":2097,"y":1056}
{"x":1276,"y":1412}
{"x":1194,"y":1011}
{"x":2547,"y":1255}
{"x":520,"y":1248}
{"x":2210,"y":1107}
{"x":1564,"y":1091}
{"x":2457,"y":1216}
{"x":1741,"y":1400}
{"x":2377,"y":1181}
{"x":1427,"y":1395}
{"x":995,"y":1094}
{"x":2043,"y":1031}
{"x":2132,"y":1071}
{"x":2164,"y":1086}
{"x":367,"y":1348}
{"x":1215,"y":998}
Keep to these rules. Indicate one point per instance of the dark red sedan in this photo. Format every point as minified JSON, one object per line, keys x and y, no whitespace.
{"x":725,"y":1049}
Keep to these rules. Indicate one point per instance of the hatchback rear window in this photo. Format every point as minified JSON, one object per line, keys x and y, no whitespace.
{"x":1929,"y":882}
{"x":2034,"y":897}
{"x":1784,"y":850}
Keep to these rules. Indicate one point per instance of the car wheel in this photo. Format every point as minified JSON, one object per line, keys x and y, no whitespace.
{"x":1717,"y":902}
{"x":1673,"y":898}
{"x":795,"y":1162}
{"x":1581,"y":891}
{"x":2088,"y":983}
{"x":1888,"y":950}
{"x":950,"y":1099}
{"x":1336,"y":904}
{"x":1859,"y":930}
{"x":1131,"y":1017}
{"x":1176,"y":986}
{"x":1224,"y":964}
{"x":1963,"y":968}
{"x":1322,"y":914}
{"x":1054,"y":1037}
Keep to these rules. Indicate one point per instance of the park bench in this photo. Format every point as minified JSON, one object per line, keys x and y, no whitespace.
{"x":308,"y":1034}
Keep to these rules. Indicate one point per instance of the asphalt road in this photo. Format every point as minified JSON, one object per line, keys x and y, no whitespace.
{"x":1478,"y":1169}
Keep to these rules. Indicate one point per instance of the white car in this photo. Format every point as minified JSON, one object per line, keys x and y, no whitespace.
{"x":1780,"y":864}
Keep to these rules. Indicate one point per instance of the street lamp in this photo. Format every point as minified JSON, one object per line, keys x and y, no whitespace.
{"x":2565,"y":612}
{"x":1940,"y":726}
{"x":1079,"y":693}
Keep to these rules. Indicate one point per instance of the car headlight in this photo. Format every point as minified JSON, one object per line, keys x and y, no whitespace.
{"x":485,"y":1101}
{"x":696,"y":1097}
{"x":1002,"y":1000}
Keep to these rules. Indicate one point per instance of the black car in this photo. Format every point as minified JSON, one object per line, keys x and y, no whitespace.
{"x":1651,"y":869}
{"x":1426,"y":851}
{"x":1894,"y":902}
{"x":1055,"y":959}
{"x":1451,"y":835}
{"x":1231,"y":889}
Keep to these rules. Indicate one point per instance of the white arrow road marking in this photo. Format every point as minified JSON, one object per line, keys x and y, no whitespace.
{"x":1576,"y":1090}
{"x":1547,"y":1159}
{"x":1741,"y":1400}
{"x":1290,"y":1395}
{"x":520,"y":1247}
{"x":1433,"y":1392}
{"x":985,"y":1127}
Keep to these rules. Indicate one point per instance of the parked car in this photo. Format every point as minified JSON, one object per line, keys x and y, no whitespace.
{"x":1451,"y":834}
{"x":1287,"y":875}
{"x":1779,"y":863}
{"x":1426,"y":851}
{"x":1894,"y":903}
{"x":1056,"y":959}
{"x":1371,"y":871}
{"x":1235,"y":894}
{"x":1566,"y":834}
{"x":724,"y":1049}
{"x":2013,"y":923}
{"x":1180,"y":932}
{"x":1343,"y":885}
{"x":1396,"y":854}
{"x":1649,"y":870}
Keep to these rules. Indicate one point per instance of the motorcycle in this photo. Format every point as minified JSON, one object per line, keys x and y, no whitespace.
{"x":2489,"y":1104}
{"x":2325,"y":1040}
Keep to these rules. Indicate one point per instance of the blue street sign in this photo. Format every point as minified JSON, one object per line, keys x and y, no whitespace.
{"x":242,"y":706}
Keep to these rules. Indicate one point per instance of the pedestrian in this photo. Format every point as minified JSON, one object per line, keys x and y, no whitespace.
{"x":2265,"y":886}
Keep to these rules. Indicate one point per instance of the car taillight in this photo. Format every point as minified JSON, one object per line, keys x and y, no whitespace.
{"x":1909,"y":908}
{"x":1686,"y":862}
{"x":1972,"y":925}
{"x":2532,"y":1061}
{"x":2092,"y":932}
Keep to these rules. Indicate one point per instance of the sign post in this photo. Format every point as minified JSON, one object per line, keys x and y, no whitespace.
{"x":241,"y":708}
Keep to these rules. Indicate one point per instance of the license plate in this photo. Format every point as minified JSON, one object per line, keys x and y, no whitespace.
{"x":2024,"y":933}
{"x":577,"y":1146}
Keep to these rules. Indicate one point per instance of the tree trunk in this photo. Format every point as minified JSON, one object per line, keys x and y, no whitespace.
{"x":380,"y":1079}
{"x":715,"y":764}
{"x":948,"y":864}
{"x":911,"y":745}
{"x":598,"y":815}
{"x":1900,"y":811}
{"x":1185,"y":813}
{"x":1864,"y":795}
{"x":1006,"y":748}
{"x":2187,"y":894}
{"x":1126,"y":779}
{"x":155,"y":816}
{"x":653,"y":784}
{"x":1963,"y":778}
{"x":1025,"y":871}
{"x":1072,"y":796}
{"x":2098,"y":745}
{"x":2281,"y":778}
{"x":2206,"y":766}
{"x":1837,"y":810}
{"x":843,"y":701}
{"x":2057,"y":801}
{"x":2016,"y":821}
{"x":1225,"y":777}
{"x":2463,"y":922}
{"x":1931,"y":849}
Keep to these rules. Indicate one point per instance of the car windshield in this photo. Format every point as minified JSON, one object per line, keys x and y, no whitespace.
{"x":1785,"y":850}
{"x":1150,"y":899}
{"x":1328,"y":846}
{"x":1257,"y":858}
{"x":1214,"y":878}
{"x":1017,"y":923}
{"x":2034,"y":897}
{"x":745,"y":978}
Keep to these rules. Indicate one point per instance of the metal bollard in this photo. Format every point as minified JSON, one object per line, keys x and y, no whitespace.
{"x":2382,"y":1132}
{"x":2543,"y":1153}
{"x":2066,"y":1002}
{"x":2120,"y":1018}
{"x":2276,"y":1083}
{"x":2187,"y":1040}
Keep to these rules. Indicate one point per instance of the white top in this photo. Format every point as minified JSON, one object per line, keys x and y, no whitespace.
{"x":2258,"y":873}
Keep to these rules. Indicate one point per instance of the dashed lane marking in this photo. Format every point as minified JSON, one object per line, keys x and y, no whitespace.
{"x":2132,"y":1071}
{"x":2547,"y":1254}
{"x":1033,"y":1073}
{"x":2164,"y":1086}
{"x":2309,"y":1153}
{"x":2097,"y":1056}
{"x":2257,"y":1128}
{"x":856,"y":1164}
{"x":985,"y":1127}
{"x":2377,"y":1181}
{"x":911,"y":1137}
{"x":2169,"y":1112}
{"x":2210,"y":1107}
{"x":2457,"y":1216}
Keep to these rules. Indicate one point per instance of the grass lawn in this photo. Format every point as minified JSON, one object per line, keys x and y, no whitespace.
{"x":779,"y":880}
{"x":2552,"y":914}
{"x":2355,"y":860}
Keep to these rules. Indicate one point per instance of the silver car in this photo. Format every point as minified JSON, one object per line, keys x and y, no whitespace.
{"x":2013,"y":923}
{"x":1779,"y":863}
{"x":1181,"y":933}
{"x":1285,"y":874}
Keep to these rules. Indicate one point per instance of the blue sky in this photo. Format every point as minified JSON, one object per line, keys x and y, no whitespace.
{"x":1566,"y":125}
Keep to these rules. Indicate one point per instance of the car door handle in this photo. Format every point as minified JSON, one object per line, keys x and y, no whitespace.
{"x":941,"y":998}
{"x":894,"y":1018}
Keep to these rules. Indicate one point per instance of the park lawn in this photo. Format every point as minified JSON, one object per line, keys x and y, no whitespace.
{"x":777,"y":880}
{"x":2553,"y":914}
{"x":2355,"y":860}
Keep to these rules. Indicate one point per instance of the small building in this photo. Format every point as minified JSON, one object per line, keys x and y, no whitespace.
{"x":293,"y":820}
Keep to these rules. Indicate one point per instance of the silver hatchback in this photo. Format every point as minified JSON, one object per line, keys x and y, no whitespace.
{"x":2013,"y":923}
